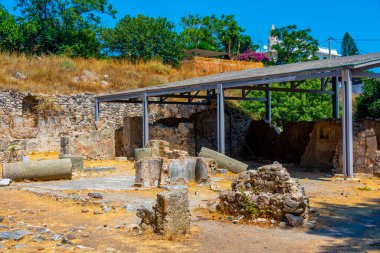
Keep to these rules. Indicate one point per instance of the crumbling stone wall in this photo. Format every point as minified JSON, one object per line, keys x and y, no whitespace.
{"x":321,"y":147}
{"x":24,"y":129}
{"x":364,"y":149}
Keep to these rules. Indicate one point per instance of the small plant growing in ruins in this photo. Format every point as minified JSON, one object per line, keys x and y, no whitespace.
{"x":251,"y":208}
{"x":365,"y":188}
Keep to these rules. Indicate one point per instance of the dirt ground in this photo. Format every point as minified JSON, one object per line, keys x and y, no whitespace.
{"x":347,"y":215}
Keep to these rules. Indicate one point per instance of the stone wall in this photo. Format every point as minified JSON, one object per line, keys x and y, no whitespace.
{"x":35,"y":123}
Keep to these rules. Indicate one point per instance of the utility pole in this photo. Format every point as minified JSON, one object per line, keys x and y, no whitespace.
{"x":330,"y":39}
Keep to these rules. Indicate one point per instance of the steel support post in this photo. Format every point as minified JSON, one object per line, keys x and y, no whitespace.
{"x":220,"y":120}
{"x":348,"y":160}
{"x":335,"y":98}
{"x":268,"y":111}
{"x":145,"y":119}
{"x":96,"y":110}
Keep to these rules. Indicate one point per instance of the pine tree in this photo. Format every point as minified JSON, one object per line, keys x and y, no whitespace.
{"x":348,"y":46}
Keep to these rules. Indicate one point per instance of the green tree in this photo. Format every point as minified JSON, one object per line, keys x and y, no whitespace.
{"x":295,"y":45}
{"x":62,"y":26}
{"x":144,"y":38}
{"x":214,"y":33}
{"x":368,"y":102}
{"x":198,"y":33}
{"x":10,"y":35}
{"x":288,"y":106}
{"x":348,"y":46}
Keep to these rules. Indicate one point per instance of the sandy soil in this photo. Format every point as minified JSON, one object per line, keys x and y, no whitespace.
{"x":347,"y":215}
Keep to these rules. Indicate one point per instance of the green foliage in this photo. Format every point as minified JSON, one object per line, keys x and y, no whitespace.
{"x":10,"y":35}
{"x":213,"y":33}
{"x":145,"y":38}
{"x":368,"y":102}
{"x":288,"y":106}
{"x":295,"y":45}
{"x":62,"y":26}
{"x":348,"y":46}
{"x":365,"y":188}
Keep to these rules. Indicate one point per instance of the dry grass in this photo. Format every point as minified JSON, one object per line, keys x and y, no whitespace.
{"x":54,"y":74}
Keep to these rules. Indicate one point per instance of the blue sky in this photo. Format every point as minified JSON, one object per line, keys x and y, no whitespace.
{"x":326,"y":18}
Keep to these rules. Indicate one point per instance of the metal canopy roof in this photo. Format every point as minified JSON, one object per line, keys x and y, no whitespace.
{"x":257,"y":76}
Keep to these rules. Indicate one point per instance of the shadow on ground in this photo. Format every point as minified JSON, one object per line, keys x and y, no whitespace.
{"x":357,"y":227}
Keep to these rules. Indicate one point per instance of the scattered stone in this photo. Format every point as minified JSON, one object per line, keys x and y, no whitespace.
{"x":177,"y":154}
{"x":229,"y":163}
{"x":159,"y":147}
{"x":261,"y":220}
{"x":171,"y":214}
{"x":148,"y":172}
{"x":99,"y":169}
{"x":309,"y":225}
{"x":19,"y":246}
{"x":38,"y":238}
{"x":294,"y":221}
{"x":85,"y":235}
{"x":129,"y":208}
{"x":76,"y":161}
{"x":273,"y":222}
{"x":85,"y":210}
{"x":14,"y":235}
{"x":31,"y":212}
{"x":104,"y":83}
{"x":56,"y":237}
{"x":70,"y":237}
{"x":5,"y":182}
{"x":221,"y":171}
{"x":131,"y":227}
{"x":66,"y":241}
{"x":1,"y":218}
{"x":42,"y":230}
{"x":282,"y":224}
{"x":182,"y":170}
{"x":106,"y":209}
{"x":202,"y":170}
{"x":95,"y":195}
{"x":96,"y":212}
{"x":20,"y":75}
{"x":214,"y":208}
{"x":141,"y":153}
{"x":215,"y":187}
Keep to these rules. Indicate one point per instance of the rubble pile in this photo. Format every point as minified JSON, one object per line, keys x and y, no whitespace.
{"x":268,"y":192}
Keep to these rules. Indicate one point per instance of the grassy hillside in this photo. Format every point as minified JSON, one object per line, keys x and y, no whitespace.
{"x":62,"y":75}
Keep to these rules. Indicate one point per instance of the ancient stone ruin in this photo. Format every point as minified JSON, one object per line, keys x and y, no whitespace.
{"x":170,"y":216}
{"x":268,"y":192}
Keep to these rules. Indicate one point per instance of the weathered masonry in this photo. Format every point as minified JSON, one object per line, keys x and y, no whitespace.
{"x":339,"y":71}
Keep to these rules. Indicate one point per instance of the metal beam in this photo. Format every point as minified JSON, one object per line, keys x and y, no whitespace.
{"x":145,"y":119}
{"x":287,"y":90}
{"x":97,"y":110}
{"x":335,"y":98}
{"x":365,"y":74}
{"x":158,"y":102}
{"x":220,"y":119}
{"x":347,"y":124}
{"x":214,"y":98}
{"x":268,"y":111}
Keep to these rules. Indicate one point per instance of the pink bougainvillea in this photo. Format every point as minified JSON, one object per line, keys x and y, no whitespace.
{"x":249,"y":55}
